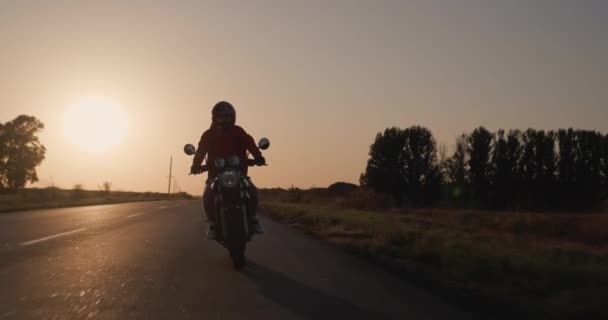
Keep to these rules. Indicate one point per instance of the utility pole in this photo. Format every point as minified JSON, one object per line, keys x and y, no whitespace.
{"x":170,"y":177}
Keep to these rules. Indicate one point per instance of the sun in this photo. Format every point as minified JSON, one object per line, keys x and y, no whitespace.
{"x":95,"y":124}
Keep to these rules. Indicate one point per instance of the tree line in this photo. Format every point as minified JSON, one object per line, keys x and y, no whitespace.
{"x":20,"y":152}
{"x":561,"y":169}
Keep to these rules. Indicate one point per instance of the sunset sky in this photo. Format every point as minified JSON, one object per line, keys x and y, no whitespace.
{"x":318,"y":79}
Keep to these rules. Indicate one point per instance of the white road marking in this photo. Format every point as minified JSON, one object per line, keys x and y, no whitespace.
{"x":135,"y":215}
{"x":52,"y":237}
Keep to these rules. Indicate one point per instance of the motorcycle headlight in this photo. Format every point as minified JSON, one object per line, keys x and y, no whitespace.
{"x":234,"y":161}
{"x":219,"y":163}
{"x":230,"y":178}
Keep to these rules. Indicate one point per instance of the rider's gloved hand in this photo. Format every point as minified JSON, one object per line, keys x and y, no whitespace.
{"x":196,"y":170}
{"x":260,"y":161}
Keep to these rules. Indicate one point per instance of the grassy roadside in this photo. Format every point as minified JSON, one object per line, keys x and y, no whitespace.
{"x":545,"y":266}
{"x":48,"y":198}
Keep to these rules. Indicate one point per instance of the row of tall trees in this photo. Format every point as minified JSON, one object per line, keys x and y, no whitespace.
{"x":20,"y":152}
{"x":404,"y":164}
{"x":566,"y":168}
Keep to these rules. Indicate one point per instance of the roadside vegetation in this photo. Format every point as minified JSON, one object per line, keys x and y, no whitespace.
{"x":542,"y":265}
{"x":21,"y":152}
{"x":34,"y":198}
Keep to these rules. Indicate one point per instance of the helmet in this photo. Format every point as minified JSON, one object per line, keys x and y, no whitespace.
{"x":223,"y":108}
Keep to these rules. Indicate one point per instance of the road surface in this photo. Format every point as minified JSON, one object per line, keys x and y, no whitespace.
{"x":150,"y":261}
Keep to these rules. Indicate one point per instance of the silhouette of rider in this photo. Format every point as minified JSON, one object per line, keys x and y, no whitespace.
{"x":222,"y":140}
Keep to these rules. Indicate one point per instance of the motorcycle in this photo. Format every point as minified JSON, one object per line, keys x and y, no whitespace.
{"x":230,"y":194}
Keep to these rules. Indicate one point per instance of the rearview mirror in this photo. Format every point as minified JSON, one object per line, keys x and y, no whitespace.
{"x":189,"y":149}
{"x":264,"y":143}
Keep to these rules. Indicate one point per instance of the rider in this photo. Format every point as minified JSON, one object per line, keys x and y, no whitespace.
{"x":222,"y":140}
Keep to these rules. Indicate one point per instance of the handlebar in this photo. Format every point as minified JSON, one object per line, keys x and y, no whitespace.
{"x":250,"y":163}
{"x":203,"y":168}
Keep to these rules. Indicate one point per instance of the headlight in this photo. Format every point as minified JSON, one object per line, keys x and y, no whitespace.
{"x":219,"y":163}
{"x":234,"y":161}
{"x":230,"y":178}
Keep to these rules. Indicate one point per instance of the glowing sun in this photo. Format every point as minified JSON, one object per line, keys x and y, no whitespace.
{"x":95,"y":124}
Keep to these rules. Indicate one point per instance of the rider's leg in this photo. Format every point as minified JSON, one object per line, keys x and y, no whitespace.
{"x":252,"y":206}
{"x":207,"y":202}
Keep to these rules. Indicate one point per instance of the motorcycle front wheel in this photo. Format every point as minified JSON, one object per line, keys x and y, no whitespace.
{"x":238,"y":257}
{"x":236,"y":238}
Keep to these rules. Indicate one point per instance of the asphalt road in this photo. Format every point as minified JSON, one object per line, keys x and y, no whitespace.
{"x":151,"y":261}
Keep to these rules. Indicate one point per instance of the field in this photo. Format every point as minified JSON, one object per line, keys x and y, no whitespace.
{"x":27,"y":199}
{"x":543,"y":265}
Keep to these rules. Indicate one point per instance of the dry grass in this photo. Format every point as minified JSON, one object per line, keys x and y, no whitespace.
{"x":587,"y":229}
{"x":362,"y":199}
{"x":27,"y":199}
{"x":544,"y":265}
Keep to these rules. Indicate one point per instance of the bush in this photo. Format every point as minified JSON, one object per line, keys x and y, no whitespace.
{"x":77,"y":192}
{"x":294,"y":194}
{"x":341,"y":189}
{"x":51,"y":192}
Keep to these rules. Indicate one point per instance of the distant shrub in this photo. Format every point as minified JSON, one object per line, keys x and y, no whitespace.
{"x":34,"y":195}
{"x":341,"y":188}
{"x":294,"y":194}
{"x":77,"y":192}
{"x":181,"y":195}
{"x":51,"y":192}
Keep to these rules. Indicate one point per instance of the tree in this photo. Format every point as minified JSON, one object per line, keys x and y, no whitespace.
{"x":538,"y":167}
{"x":443,"y":153}
{"x":456,"y":167}
{"x":566,"y":172}
{"x":384,"y":170}
{"x":20,"y":152}
{"x":527,"y":167}
{"x":575,"y":169}
{"x":403,"y":164}
{"x":422,"y":173}
{"x":604,"y":166}
{"x":479,"y":148}
{"x":3,"y":156}
{"x":502,"y":170}
{"x":106,"y":187}
{"x":587,"y":166}
{"x":456,"y":172}
{"x":514,"y":155}
{"x":534,"y":168}
{"x":546,"y":163}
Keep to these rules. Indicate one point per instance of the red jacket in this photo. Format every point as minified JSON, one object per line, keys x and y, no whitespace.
{"x":222,"y":143}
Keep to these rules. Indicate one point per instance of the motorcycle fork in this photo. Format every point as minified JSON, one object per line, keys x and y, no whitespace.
{"x":221,"y":212}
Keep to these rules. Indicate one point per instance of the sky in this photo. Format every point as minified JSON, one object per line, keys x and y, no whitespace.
{"x":318,"y":78}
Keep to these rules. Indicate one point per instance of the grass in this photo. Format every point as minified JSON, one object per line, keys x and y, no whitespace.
{"x":533,"y":265}
{"x":34,"y":198}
